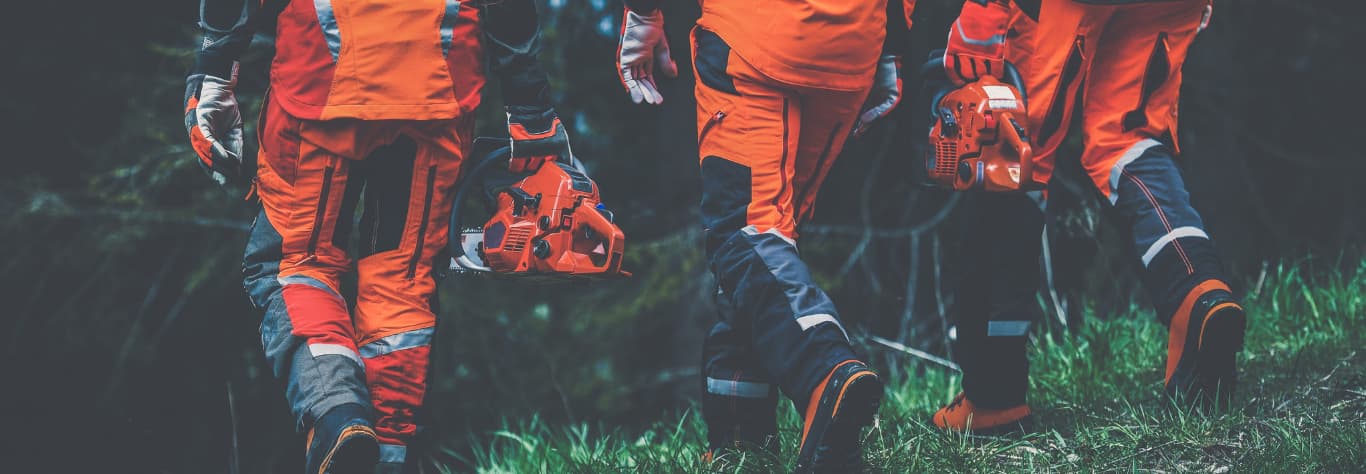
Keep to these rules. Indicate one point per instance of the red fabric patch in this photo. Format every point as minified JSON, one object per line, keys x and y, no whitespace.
{"x":202,"y":146}
{"x":301,"y":75}
{"x":397,"y":383}
{"x":318,"y":316}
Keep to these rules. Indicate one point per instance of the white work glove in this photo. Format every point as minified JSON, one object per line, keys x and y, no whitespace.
{"x":884,"y":95}
{"x":214,"y":122}
{"x":643,"y":48}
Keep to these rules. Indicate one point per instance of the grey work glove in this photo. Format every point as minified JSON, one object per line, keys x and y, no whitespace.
{"x":644,"y":48}
{"x":884,"y":95}
{"x":214,"y":122}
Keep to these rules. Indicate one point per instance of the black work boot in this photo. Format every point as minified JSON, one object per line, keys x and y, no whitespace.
{"x":1204,"y":340}
{"x":342,"y":442}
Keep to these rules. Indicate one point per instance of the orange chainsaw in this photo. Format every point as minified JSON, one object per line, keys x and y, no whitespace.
{"x":548,"y":225}
{"x":979,"y":141}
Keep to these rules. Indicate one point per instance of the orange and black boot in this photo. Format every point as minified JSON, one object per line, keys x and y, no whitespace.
{"x":962,"y":415}
{"x":840,"y":407}
{"x":1204,"y":339}
{"x":342,"y":442}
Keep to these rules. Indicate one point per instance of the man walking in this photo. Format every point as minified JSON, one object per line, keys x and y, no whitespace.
{"x":1118,"y":64}
{"x":779,"y":89}
{"x":372,"y":97}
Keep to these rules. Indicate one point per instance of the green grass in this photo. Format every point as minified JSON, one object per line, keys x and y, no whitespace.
{"x":1096,"y":395}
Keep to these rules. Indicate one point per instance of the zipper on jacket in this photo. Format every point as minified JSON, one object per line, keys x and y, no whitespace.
{"x":422,"y":227}
{"x":715,"y":119}
{"x":320,"y":213}
{"x":374,"y":229}
{"x":782,"y":165}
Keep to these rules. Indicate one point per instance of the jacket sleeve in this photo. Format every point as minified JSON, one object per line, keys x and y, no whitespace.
{"x":512,"y":31}
{"x":227,"y":27}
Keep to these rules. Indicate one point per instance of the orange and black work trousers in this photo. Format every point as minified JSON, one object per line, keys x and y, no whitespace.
{"x":765,"y":147}
{"x":1119,"y":67}
{"x":374,"y":349}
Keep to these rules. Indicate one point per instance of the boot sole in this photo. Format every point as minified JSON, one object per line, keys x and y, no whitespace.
{"x":356,"y":453}
{"x":856,"y":409}
{"x":1021,"y":426}
{"x":1222,"y":340}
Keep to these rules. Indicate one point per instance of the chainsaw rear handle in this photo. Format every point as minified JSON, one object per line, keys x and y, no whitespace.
{"x":487,"y":152}
{"x":598,"y":223}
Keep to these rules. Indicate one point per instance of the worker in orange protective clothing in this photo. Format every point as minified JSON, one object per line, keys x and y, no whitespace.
{"x":778,"y":93}
{"x":372,"y":98}
{"x":1118,"y":64}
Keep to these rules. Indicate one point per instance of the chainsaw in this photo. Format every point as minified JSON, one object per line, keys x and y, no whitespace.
{"x":548,"y":225}
{"x":978,"y":141}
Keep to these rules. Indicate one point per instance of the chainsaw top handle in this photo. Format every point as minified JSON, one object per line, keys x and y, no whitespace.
{"x":933,"y":72}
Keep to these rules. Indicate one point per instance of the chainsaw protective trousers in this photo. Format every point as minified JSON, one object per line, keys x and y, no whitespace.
{"x":373,"y":349}
{"x":1120,"y":66}
{"x":765,"y":147}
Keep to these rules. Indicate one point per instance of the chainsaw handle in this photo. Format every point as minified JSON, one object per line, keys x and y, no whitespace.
{"x":599,"y":224}
{"x":934,"y":69}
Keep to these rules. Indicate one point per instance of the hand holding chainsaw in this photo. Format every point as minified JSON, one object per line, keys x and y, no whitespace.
{"x":538,"y":137}
{"x":977,"y":41}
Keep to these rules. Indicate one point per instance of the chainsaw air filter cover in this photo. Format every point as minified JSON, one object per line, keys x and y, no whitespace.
{"x":979,"y":141}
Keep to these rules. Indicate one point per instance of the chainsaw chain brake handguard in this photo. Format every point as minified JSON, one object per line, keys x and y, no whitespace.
{"x":548,"y":225}
{"x":978,"y":141}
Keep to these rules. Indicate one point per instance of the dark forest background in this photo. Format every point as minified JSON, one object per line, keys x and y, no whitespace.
{"x":127,"y":340}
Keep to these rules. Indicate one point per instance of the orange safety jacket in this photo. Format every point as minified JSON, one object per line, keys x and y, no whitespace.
{"x":826,"y":44}
{"x":379,"y":59}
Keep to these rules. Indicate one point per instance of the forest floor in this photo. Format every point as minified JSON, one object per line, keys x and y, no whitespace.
{"x":1097,"y":401}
